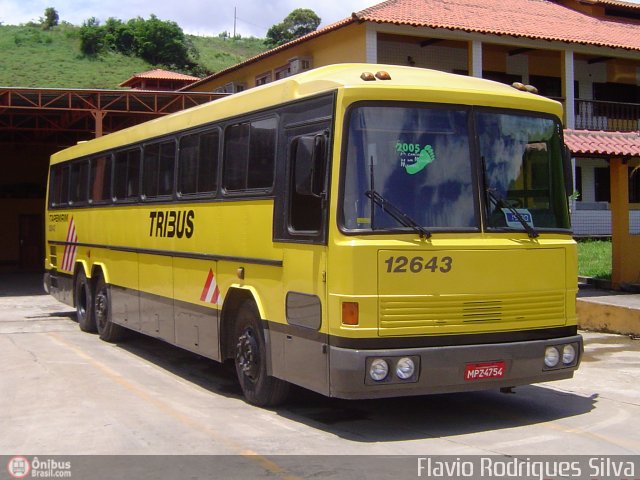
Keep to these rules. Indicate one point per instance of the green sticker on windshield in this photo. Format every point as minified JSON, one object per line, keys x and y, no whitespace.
{"x":413,"y":157}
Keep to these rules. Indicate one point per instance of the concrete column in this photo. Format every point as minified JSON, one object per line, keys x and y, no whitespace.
{"x":371,"y":44}
{"x":568,"y":90}
{"x":475,"y":58}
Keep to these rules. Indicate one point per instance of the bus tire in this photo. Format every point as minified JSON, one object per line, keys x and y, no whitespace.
{"x":108,"y":331}
{"x":83,"y":299}
{"x":251,"y":360}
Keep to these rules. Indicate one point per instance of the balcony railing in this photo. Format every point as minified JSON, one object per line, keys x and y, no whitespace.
{"x":607,"y":116}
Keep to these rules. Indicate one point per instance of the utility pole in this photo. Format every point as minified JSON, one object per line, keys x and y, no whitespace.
{"x":234,"y":22}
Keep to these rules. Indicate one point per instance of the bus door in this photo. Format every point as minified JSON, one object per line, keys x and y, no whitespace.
{"x":304,"y":261}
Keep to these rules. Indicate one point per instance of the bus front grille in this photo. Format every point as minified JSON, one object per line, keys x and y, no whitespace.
{"x":403,"y":315}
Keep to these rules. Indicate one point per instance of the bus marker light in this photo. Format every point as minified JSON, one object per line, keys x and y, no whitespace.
{"x":382,"y":75}
{"x":368,"y":77}
{"x":350,"y":314}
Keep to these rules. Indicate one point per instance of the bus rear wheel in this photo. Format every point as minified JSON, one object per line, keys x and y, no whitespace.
{"x":108,"y":331}
{"x":84,"y":302}
{"x":251,"y":360}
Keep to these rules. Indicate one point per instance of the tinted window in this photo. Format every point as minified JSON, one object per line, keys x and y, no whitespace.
{"x":417,"y":159}
{"x":126,"y":175}
{"x":250,"y":155}
{"x":79,"y":182}
{"x":59,"y":186}
{"x":158,"y":170}
{"x":198,"y":164}
{"x":100,"y":179}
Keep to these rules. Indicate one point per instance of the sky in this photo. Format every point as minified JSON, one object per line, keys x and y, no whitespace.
{"x":198,"y":17}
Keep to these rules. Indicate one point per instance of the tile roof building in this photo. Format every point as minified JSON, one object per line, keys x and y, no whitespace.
{"x":159,"y":80}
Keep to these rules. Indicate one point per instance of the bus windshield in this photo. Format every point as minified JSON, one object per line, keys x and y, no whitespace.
{"x":412,"y":167}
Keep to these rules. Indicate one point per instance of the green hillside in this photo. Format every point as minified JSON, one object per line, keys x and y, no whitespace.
{"x":33,"y":57}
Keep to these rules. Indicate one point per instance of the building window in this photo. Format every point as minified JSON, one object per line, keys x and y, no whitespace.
{"x":263,"y":79}
{"x":602,"y":184}
{"x":634,"y":184}
{"x":283,"y":72}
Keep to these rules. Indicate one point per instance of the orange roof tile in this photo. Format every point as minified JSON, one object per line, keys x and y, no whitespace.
{"x":537,"y":19}
{"x":584,"y":142}
{"x":159,"y":74}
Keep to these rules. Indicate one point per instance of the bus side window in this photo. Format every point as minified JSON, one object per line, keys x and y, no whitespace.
{"x":249,"y":155}
{"x":198,"y":163}
{"x":59,"y":187}
{"x":308,"y":159}
{"x":79,"y":181}
{"x":100,"y":183}
{"x":126,"y":175}
{"x":158,"y":169}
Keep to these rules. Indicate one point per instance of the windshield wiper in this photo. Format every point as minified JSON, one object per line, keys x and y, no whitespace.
{"x":498,"y":200}
{"x":396,"y":213}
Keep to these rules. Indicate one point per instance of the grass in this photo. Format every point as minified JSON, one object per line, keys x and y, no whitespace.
{"x":594,"y":258}
{"x":32,"y":57}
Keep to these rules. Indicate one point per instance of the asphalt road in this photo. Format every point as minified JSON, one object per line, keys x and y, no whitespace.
{"x":65,"y":392}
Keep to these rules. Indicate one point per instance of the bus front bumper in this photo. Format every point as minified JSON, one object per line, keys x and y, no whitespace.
{"x":457,"y":368}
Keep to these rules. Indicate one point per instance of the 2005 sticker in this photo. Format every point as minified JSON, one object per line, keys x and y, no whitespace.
{"x":402,"y":264}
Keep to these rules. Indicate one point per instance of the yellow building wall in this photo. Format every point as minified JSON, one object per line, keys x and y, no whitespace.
{"x":345,"y":45}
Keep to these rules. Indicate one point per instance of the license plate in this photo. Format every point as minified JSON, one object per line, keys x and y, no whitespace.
{"x":481,"y":371}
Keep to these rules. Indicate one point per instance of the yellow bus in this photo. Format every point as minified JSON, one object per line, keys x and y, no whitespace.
{"x":359,"y":230}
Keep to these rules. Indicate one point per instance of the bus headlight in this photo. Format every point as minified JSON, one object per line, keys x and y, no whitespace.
{"x":379,"y":369}
{"x":405,"y":368}
{"x":568,"y":354}
{"x":551,"y":357}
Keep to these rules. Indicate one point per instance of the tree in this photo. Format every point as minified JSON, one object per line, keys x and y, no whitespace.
{"x":298,"y":23}
{"x":50,"y":19}
{"x":91,"y":37}
{"x":159,"y":42}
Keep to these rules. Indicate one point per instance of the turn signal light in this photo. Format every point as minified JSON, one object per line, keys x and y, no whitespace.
{"x":350,"y":314}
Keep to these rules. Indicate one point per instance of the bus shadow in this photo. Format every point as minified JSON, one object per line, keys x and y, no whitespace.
{"x":208,"y":374}
{"x":368,"y":421}
{"x":435,"y":416}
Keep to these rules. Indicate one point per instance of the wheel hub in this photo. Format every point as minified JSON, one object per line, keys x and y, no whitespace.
{"x":247,"y":354}
{"x":101,"y":307}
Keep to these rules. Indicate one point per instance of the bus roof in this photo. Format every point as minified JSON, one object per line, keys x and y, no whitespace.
{"x":408,"y":83}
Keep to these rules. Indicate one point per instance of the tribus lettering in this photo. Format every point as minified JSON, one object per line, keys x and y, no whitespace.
{"x":171,"y":223}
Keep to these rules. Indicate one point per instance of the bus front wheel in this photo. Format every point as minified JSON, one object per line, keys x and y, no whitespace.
{"x":108,"y":331}
{"x":251,"y":360}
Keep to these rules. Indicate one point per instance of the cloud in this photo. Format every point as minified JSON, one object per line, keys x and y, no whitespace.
{"x":253,"y":17}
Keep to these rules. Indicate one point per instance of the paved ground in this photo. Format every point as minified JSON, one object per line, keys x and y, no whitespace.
{"x":65,"y":392}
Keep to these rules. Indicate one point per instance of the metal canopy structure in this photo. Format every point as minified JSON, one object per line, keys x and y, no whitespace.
{"x":63,"y":117}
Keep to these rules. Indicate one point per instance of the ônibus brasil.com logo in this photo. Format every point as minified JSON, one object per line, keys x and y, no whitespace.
{"x":19,"y":467}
